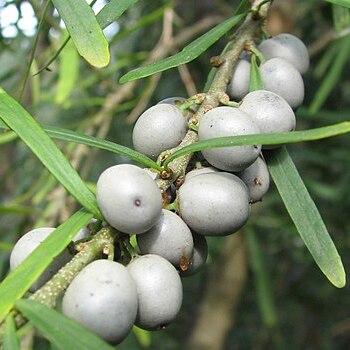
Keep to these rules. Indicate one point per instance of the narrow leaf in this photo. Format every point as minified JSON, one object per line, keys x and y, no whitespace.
{"x":10,"y":341}
{"x":256,"y":81}
{"x":68,"y":75}
{"x":61,"y":331}
{"x":305,"y":215}
{"x":188,"y":54}
{"x":262,"y":280}
{"x":333,"y":74}
{"x":345,"y":3}
{"x":7,"y":137}
{"x":112,"y":11}
{"x":19,"y":280}
{"x":31,"y":133}
{"x":16,"y":209}
{"x":263,"y":139}
{"x":85,"y":31}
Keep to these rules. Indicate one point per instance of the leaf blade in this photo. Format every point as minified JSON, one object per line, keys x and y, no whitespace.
{"x":69,"y":334}
{"x":84,"y":30}
{"x":32,"y":134}
{"x":345,"y":3}
{"x":264,"y":139}
{"x":10,"y":341}
{"x":188,"y":53}
{"x":306,"y":216}
{"x":19,"y":280}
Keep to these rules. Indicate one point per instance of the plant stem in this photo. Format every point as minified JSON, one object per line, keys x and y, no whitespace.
{"x":250,"y":29}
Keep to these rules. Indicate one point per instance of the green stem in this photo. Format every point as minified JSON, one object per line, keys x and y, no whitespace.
{"x":35,"y":45}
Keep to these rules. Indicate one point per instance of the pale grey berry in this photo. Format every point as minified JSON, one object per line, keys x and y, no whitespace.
{"x":27,"y":244}
{"x":199,"y":171}
{"x":103,"y":298}
{"x":199,"y":257}
{"x":270,"y":111}
{"x":228,"y":121}
{"x":257,"y":179}
{"x":170,"y":238}
{"x":214,"y":204}
{"x":239,"y":85}
{"x":159,"y":291}
{"x":159,"y":128}
{"x":128,"y":198}
{"x":280,"y":77}
{"x":288,"y":47}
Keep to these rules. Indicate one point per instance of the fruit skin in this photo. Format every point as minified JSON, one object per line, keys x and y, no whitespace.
{"x":228,"y":121}
{"x":199,"y":171}
{"x":159,"y":291}
{"x":128,"y":198}
{"x":170,"y":238}
{"x":239,"y":85}
{"x":214,"y":204}
{"x":257,"y":179}
{"x":288,"y":47}
{"x":199,"y":257}
{"x":159,"y":128}
{"x":270,"y":111}
{"x":103,"y":298}
{"x":282,"y":78}
{"x":27,"y":243}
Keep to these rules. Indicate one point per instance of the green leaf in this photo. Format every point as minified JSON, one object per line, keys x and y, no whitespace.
{"x":345,"y":3}
{"x":256,"y":81}
{"x":85,"y":31}
{"x":188,"y":53}
{"x":10,"y":341}
{"x":333,"y":75}
{"x":264,"y":139}
{"x":61,"y":331}
{"x":341,"y":18}
{"x":19,"y":280}
{"x":67,"y":135}
{"x":32,"y":134}
{"x":262,"y":280}
{"x":305,"y":215}
{"x":16,"y":209}
{"x":112,"y":11}
{"x":69,"y":71}
{"x":7,"y":137}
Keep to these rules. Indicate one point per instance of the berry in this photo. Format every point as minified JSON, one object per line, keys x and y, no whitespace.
{"x":128,"y":198}
{"x":270,"y":111}
{"x":228,"y":121}
{"x":282,"y":78}
{"x":257,"y":179}
{"x":214,"y":204}
{"x":159,"y":291}
{"x":170,"y":238}
{"x":199,"y":257}
{"x":103,"y":298}
{"x":239,"y":85}
{"x":288,"y":47}
{"x":26,"y":244}
{"x":159,"y":128}
{"x":199,"y":171}
{"x":172,"y":101}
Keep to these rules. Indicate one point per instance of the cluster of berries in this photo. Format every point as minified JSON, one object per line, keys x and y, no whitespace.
{"x":214,"y":200}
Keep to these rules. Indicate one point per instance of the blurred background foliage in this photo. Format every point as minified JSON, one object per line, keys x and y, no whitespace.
{"x":260,"y":289}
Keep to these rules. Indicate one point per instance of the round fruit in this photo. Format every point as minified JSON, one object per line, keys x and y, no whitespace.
{"x":27,"y":244}
{"x":159,"y":128}
{"x":282,"y":78}
{"x":214,"y":204}
{"x":200,"y":171}
{"x":199,"y":257}
{"x":288,"y":47}
{"x":159,"y":291}
{"x":170,"y":238}
{"x":270,"y":111}
{"x":172,"y":100}
{"x":128,"y":198}
{"x":228,"y":121}
{"x":257,"y":179}
{"x":103,"y":298}
{"x":239,"y":85}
